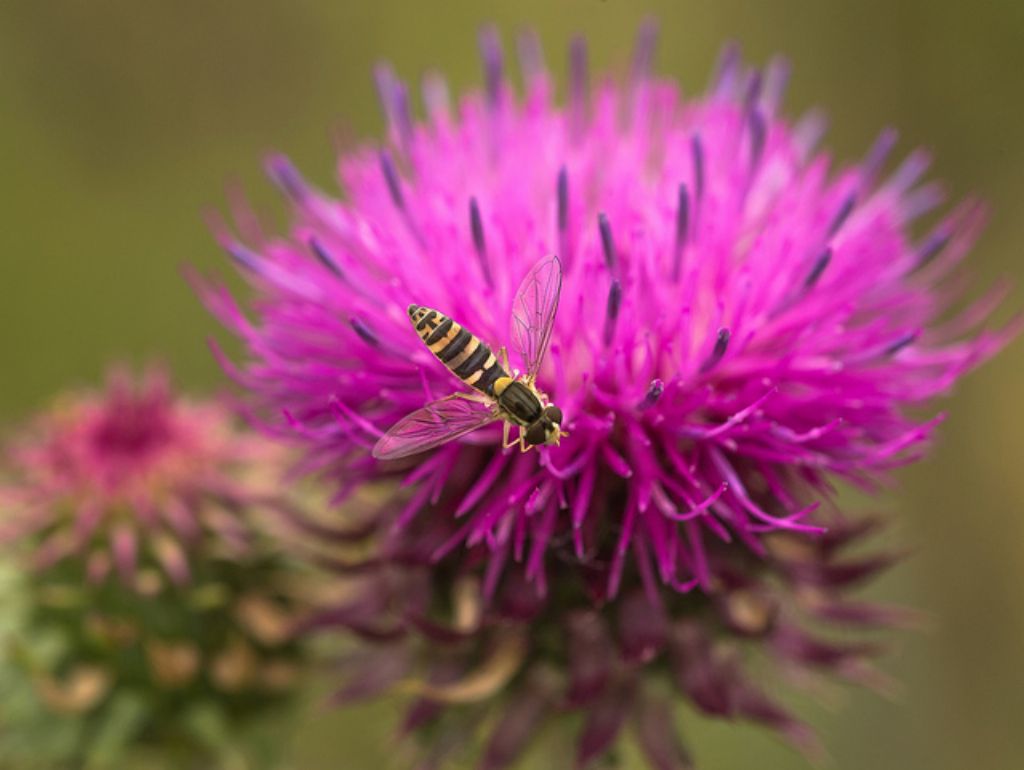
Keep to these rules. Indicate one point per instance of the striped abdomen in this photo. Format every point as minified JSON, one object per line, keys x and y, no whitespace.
{"x":456,"y":347}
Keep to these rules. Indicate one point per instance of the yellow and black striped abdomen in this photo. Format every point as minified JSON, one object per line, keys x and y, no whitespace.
{"x":465,"y":354}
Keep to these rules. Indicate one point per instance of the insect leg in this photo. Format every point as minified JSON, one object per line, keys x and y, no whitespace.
{"x":503,"y":357}
{"x":523,"y":446}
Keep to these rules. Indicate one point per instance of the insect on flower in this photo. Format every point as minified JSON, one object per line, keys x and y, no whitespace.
{"x":499,"y":395}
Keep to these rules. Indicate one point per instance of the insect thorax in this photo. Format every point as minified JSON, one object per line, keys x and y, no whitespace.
{"x":520,"y":403}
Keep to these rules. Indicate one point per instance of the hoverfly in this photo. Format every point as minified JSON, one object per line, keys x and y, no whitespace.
{"x":499,"y":395}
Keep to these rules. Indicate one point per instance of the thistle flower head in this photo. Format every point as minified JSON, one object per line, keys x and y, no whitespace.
{"x":151,"y":590}
{"x":130,"y":475}
{"x":742,"y":322}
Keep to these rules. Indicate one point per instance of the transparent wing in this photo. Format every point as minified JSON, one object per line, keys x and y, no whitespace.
{"x":433,"y":425}
{"x":533,"y":312}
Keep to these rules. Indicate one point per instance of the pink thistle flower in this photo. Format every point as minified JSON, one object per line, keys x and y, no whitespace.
{"x":129,"y":476}
{"x":741,"y":325}
{"x":142,"y":517}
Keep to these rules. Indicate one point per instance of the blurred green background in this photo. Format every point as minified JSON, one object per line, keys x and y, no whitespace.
{"x":123,"y":119}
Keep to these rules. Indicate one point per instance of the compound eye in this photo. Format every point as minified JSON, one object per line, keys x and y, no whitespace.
{"x":554,"y":414}
{"x":536,"y":434}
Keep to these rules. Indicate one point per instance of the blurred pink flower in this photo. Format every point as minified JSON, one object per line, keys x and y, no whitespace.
{"x":154,"y":588}
{"x":129,"y":476}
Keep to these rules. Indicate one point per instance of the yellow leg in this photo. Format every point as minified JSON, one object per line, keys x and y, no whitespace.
{"x":503,"y":357}
{"x":506,"y":443}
